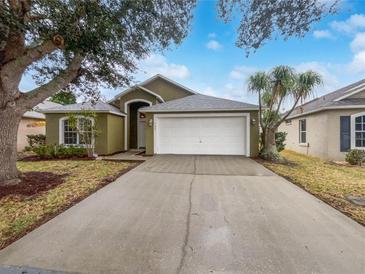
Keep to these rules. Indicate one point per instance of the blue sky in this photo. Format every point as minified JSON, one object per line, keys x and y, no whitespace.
{"x":209,"y":62}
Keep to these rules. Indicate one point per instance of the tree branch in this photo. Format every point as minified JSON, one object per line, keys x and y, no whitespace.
{"x":30,"y":99}
{"x":260,"y":112}
{"x":288,"y":113}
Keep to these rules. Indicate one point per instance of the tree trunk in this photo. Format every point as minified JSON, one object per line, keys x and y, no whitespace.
{"x":269,"y":150}
{"x":9,"y":122}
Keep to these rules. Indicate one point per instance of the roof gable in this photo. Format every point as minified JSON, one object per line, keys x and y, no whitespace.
{"x":341,"y":98}
{"x":163,"y":88}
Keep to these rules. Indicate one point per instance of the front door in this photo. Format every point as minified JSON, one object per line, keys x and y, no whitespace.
{"x":141,"y":125}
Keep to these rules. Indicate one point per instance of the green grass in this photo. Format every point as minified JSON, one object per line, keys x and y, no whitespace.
{"x":327,"y":181}
{"x":20,"y":214}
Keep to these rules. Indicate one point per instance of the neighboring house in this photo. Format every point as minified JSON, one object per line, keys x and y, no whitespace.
{"x":163,"y":117}
{"x":32,"y":122}
{"x":330,"y":125}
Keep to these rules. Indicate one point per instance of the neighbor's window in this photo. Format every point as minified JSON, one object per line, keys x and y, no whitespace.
{"x":360,"y":131}
{"x":72,"y":136}
{"x":302,"y":131}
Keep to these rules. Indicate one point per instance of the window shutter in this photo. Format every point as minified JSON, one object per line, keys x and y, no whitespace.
{"x":345,"y":133}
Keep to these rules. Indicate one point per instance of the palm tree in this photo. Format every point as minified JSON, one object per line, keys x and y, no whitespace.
{"x":279,"y":85}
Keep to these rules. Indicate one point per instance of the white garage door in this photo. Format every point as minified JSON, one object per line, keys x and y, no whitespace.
{"x":216,"y":135}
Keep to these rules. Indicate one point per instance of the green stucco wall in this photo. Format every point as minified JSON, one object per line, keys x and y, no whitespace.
{"x":115,"y":133}
{"x":254,"y":134}
{"x":110,"y":128}
{"x":136,"y":94}
{"x":167,"y":90}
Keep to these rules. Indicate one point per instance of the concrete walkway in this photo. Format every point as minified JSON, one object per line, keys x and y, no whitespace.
{"x":195,"y":214}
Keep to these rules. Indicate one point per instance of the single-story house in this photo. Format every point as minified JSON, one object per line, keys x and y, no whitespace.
{"x":330,"y":125}
{"x":163,"y":117}
{"x":32,"y":122}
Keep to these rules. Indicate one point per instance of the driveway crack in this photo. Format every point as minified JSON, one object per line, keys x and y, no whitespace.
{"x":188,"y":221}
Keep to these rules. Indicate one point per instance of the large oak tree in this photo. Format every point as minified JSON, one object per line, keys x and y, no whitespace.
{"x":75,"y":44}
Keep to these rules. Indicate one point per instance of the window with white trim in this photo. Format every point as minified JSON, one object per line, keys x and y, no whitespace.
{"x":360,"y":131}
{"x":79,"y":135}
{"x":302,"y":131}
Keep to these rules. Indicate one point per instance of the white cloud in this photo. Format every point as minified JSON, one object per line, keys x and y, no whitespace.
{"x":242,"y":72}
{"x":358,"y":43}
{"x":323,"y":34}
{"x":156,"y":63}
{"x":212,"y":35}
{"x":358,"y":62}
{"x":214,"y":45}
{"x":328,"y":73}
{"x":355,"y":22}
{"x":209,"y":91}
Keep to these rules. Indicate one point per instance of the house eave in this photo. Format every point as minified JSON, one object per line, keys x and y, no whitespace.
{"x":78,"y":111}
{"x":326,"y":108}
{"x":199,"y":110}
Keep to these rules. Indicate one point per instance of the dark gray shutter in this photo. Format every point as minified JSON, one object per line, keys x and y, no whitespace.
{"x":345,"y":133}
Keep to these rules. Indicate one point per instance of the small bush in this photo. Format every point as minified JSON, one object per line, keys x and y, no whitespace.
{"x":59,"y":151}
{"x":280,"y":138}
{"x":28,"y":148}
{"x":355,"y":157}
{"x":36,"y":139}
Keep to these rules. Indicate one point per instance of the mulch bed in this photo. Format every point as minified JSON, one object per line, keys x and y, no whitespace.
{"x":33,"y":183}
{"x":35,"y":158}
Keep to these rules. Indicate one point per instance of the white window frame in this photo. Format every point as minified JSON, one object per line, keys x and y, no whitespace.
{"x":353,"y":130}
{"x":303,"y":131}
{"x":62,"y":132}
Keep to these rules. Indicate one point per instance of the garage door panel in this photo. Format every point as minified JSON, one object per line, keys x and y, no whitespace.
{"x":201,"y":135}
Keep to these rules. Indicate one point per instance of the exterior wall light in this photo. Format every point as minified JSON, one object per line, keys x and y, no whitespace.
{"x":253,"y":121}
{"x":150,"y":122}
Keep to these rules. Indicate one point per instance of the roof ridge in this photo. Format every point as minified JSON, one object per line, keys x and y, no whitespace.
{"x":350,"y":86}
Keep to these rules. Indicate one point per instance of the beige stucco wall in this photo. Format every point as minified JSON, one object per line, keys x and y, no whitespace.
{"x":110,"y":136}
{"x":333,"y":128}
{"x":316,"y":138}
{"x":323,"y":134}
{"x":254,"y":134}
{"x":28,"y":126}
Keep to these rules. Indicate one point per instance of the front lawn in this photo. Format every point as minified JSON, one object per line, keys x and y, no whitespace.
{"x":328,"y":181}
{"x":48,"y":188}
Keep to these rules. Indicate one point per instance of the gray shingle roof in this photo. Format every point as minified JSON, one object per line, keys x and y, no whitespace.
{"x":329,"y":100}
{"x":199,"y":102}
{"x":98,"y":106}
{"x":36,"y":112}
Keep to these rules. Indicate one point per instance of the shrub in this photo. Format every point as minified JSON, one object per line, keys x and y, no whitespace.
{"x":36,"y":139}
{"x":59,"y":151}
{"x":280,"y":138}
{"x":28,"y":148}
{"x":355,"y":157}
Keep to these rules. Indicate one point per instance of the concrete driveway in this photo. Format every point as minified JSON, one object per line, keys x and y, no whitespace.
{"x":195,"y":214}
